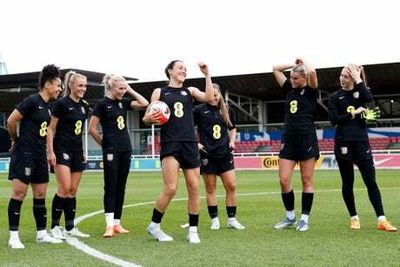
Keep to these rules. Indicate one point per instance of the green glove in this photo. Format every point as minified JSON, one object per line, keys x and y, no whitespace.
{"x":371,"y":114}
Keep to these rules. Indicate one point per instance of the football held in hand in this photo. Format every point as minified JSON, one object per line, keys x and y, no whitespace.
{"x":162,"y":108}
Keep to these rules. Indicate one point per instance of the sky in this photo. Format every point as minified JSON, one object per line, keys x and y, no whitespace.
{"x":139,"y":38}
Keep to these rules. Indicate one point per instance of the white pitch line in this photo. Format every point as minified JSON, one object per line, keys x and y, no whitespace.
{"x":117,"y":261}
{"x":98,"y":254}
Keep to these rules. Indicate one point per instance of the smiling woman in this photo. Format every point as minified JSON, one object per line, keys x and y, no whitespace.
{"x":178,"y":149}
{"x":29,"y":160}
{"x":111,"y":112}
{"x":65,"y":149}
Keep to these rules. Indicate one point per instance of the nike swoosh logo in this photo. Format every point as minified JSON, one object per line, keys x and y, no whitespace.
{"x":71,"y":108}
{"x":341,"y":97}
{"x":377,"y":162}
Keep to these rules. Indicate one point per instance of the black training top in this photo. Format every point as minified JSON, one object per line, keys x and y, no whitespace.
{"x":33,"y":126}
{"x":299,"y":109}
{"x":71,"y":120}
{"x":112,"y":114}
{"x":212,"y":130}
{"x":341,"y":103}
{"x":179,"y":127}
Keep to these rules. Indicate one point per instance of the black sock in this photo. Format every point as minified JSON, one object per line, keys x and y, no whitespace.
{"x":56,"y":210}
{"x":213,"y":211}
{"x":157,"y":216}
{"x":193,"y":219}
{"x":306,"y":202}
{"x":231,"y":211}
{"x":288,"y":200}
{"x":40,"y":213}
{"x":69,"y":213}
{"x":14,"y":211}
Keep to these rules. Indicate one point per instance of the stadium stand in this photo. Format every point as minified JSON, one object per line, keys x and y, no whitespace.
{"x":380,"y":143}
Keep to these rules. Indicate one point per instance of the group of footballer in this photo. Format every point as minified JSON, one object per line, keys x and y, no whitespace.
{"x":50,"y":134}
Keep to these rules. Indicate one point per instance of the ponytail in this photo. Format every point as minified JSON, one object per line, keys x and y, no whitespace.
{"x":69,"y":80}
{"x":223,"y":107}
{"x":109,"y":82}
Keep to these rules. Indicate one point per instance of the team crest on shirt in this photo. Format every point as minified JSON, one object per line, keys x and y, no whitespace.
{"x":65,"y":156}
{"x":356,"y":94}
{"x":204,"y":162}
{"x":302,"y":92}
{"x":83,"y":110}
{"x":110,"y":157}
{"x":28,"y":171}
{"x":120,"y":105}
{"x":343,"y":149}
{"x":183,"y":93}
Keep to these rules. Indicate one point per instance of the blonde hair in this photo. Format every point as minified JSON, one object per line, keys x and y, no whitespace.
{"x":223,"y":107}
{"x":109,"y":81}
{"x":70,"y":78}
{"x":300,"y":69}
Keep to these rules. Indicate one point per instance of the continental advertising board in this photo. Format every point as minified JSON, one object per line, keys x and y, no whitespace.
{"x":382,"y":161}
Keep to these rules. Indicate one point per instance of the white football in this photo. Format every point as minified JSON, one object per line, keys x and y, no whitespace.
{"x":163,"y":108}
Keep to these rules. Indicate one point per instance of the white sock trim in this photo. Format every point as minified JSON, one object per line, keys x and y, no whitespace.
{"x":109,"y":219}
{"x":14,"y":234}
{"x":290,"y":214}
{"x":381,"y":218}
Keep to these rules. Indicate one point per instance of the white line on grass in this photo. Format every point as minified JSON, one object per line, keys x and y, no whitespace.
{"x":98,"y":254}
{"x":117,"y":261}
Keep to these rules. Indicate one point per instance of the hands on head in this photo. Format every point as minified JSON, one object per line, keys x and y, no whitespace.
{"x":354,"y":71}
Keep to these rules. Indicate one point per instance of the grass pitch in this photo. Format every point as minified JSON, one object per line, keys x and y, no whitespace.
{"x":328,"y":242}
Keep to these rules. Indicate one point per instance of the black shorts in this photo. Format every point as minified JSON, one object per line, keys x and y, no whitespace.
{"x":29,"y":168}
{"x":186,"y":153}
{"x":353,"y":151}
{"x":299,"y":147}
{"x":73,"y":159}
{"x":211,"y":165}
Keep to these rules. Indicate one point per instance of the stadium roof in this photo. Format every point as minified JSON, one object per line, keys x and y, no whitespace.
{"x":383,"y":78}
